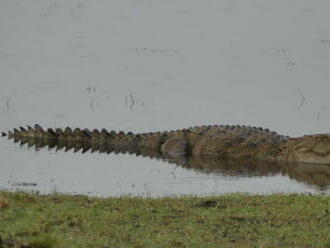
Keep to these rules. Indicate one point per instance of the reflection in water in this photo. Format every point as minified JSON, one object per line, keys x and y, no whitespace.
{"x":311,"y":174}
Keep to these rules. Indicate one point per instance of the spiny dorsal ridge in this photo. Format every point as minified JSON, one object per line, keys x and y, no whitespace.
{"x":121,"y":133}
{"x":68,"y":131}
{"x":105,"y":132}
{"x":87,"y":133}
{"x":96,"y":133}
{"x":113,"y":133}
{"x":59,"y":131}
{"x":77,"y":132}
{"x":37,"y":127}
{"x":52,"y":132}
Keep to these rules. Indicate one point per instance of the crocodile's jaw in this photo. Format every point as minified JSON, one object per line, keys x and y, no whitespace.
{"x":308,"y":149}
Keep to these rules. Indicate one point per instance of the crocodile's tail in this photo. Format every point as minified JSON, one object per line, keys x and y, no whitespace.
{"x":108,"y":141}
{"x":82,"y":146}
{"x":59,"y":133}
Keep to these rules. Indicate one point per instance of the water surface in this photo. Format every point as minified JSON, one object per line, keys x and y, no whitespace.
{"x":158,"y":65}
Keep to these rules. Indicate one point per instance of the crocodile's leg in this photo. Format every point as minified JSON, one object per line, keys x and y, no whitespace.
{"x":175,"y":147}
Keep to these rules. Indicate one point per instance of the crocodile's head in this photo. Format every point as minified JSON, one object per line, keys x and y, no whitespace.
{"x":309,"y":149}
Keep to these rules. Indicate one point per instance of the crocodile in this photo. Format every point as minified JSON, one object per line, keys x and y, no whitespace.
{"x":220,"y":141}
{"x":316,"y":175}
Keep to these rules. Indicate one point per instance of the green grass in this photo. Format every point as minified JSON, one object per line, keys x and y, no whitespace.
{"x":235,"y":220}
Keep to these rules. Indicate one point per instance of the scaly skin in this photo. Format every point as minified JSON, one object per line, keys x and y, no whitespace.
{"x":221,"y":141}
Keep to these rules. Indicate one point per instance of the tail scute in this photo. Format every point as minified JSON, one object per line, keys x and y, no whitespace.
{"x":68,"y":131}
{"x":87,"y":133}
{"x":36,"y":132}
{"x":22,"y":129}
{"x":52,"y":132}
{"x":65,"y":133}
{"x":59,"y":131}
{"x":38,"y":128}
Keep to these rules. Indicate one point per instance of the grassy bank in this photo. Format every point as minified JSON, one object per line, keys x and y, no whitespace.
{"x":28,"y":220}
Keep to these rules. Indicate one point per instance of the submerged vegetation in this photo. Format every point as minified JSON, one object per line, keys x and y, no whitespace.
{"x":235,"y":220}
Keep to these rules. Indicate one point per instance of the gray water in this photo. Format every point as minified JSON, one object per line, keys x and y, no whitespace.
{"x":158,"y":65}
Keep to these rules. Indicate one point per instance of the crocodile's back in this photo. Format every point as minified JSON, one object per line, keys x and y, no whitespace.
{"x":234,"y":141}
